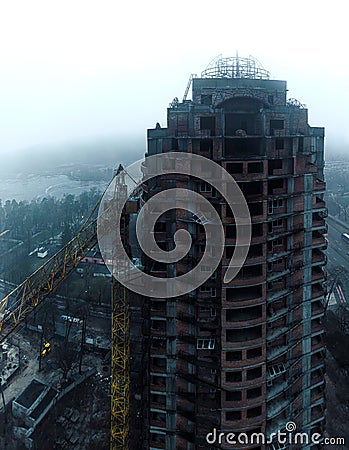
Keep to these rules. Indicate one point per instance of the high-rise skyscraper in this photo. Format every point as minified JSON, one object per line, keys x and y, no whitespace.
{"x":247,"y":356}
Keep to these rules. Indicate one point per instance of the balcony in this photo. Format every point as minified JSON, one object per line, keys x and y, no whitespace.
{"x":318,"y":258}
{"x":275,"y":275}
{"x":276,"y":333}
{"x":276,"y":407}
{"x":272,"y":296}
{"x":317,"y":309}
{"x":275,"y":315}
{"x":242,"y":296}
{"x":319,"y":186}
{"x":317,"y":274}
{"x":317,"y":292}
{"x":318,"y":203}
{"x":319,"y":242}
{"x":276,"y":389}
{"x":276,"y":352}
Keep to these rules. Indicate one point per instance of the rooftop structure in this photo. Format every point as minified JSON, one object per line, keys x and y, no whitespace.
{"x":235,"y":67}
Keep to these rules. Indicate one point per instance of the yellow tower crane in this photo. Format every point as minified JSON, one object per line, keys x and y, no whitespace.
{"x":16,"y":307}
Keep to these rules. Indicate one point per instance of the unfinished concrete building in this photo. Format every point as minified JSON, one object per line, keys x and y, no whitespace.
{"x":247,"y":356}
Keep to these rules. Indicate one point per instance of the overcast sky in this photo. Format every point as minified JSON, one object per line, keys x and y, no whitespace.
{"x":72,"y":70}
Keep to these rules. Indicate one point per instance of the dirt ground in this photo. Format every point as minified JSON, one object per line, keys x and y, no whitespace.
{"x":79,"y":421}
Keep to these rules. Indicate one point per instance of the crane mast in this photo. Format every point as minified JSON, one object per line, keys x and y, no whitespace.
{"x":120,"y":354}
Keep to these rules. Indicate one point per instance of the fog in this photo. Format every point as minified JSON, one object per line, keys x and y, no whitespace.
{"x":84,"y":80}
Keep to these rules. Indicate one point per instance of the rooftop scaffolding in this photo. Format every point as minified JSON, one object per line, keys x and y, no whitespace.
{"x":235,"y":67}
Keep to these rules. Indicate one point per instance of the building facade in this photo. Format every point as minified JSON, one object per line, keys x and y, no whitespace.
{"x":247,"y":356}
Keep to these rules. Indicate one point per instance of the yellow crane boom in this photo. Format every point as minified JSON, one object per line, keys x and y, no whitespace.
{"x":16,"y":307}
{"x":21,"y":302}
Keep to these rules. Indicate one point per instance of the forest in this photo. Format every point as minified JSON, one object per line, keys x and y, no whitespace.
{"x":36,"y":223}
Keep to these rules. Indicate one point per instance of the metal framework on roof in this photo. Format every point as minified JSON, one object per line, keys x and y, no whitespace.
{"x":235,"y":67}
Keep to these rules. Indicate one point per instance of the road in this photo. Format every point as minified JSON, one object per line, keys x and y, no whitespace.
{"x":338,"y":257}
{"x":338,"y":250}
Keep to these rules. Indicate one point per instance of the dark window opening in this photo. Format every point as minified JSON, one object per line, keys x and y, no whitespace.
{"x":257,"y":229}
{"x":234,"y":356}
{"x":229,"y":251}
{"x":232,"y":377}
{"x":158,"y":381}
{"x":243,"y":293}
{"x":158,"y":416}
{"x":275,"y":184}
{"x":255,"y":167}
{"x":158,"y":342}
{"x":274,"y":164}
{"x":251,"y":271}
{"x":251,"y":188}
{"x":160,"y":227}
{"x":229,"y":212}
{"x":254,"y":393}
{"x":237,"y":314}
{"x":157,"y":398}
{"x":208,"y":123}
{"x":254,"y":353}
{"x":163,"y":245}
{"x":159,"y":325}
{"x":233,"y":415}
{"x":256,"y":209}
{"x":254,"y":373}
{"x":157,"y":437}
{"x":245,"y":334}
{"x":206,"y":145}
{"x":243,"y":147}
{"x":158,"y":362}
{"x":249,"y":123}
{"x":233,"y":396}
{"x":255,"y":250}
{"x":230,"y":230}
{"x":235,"y":167}
{"x":158,"y":305}
{"x":254,"y":412}
{"x":271,"y":99}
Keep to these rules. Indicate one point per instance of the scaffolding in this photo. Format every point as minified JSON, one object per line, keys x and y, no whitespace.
{"x":235,"y":67}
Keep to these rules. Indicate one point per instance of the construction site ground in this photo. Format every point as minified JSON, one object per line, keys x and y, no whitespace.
{"x":81,"y":419}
